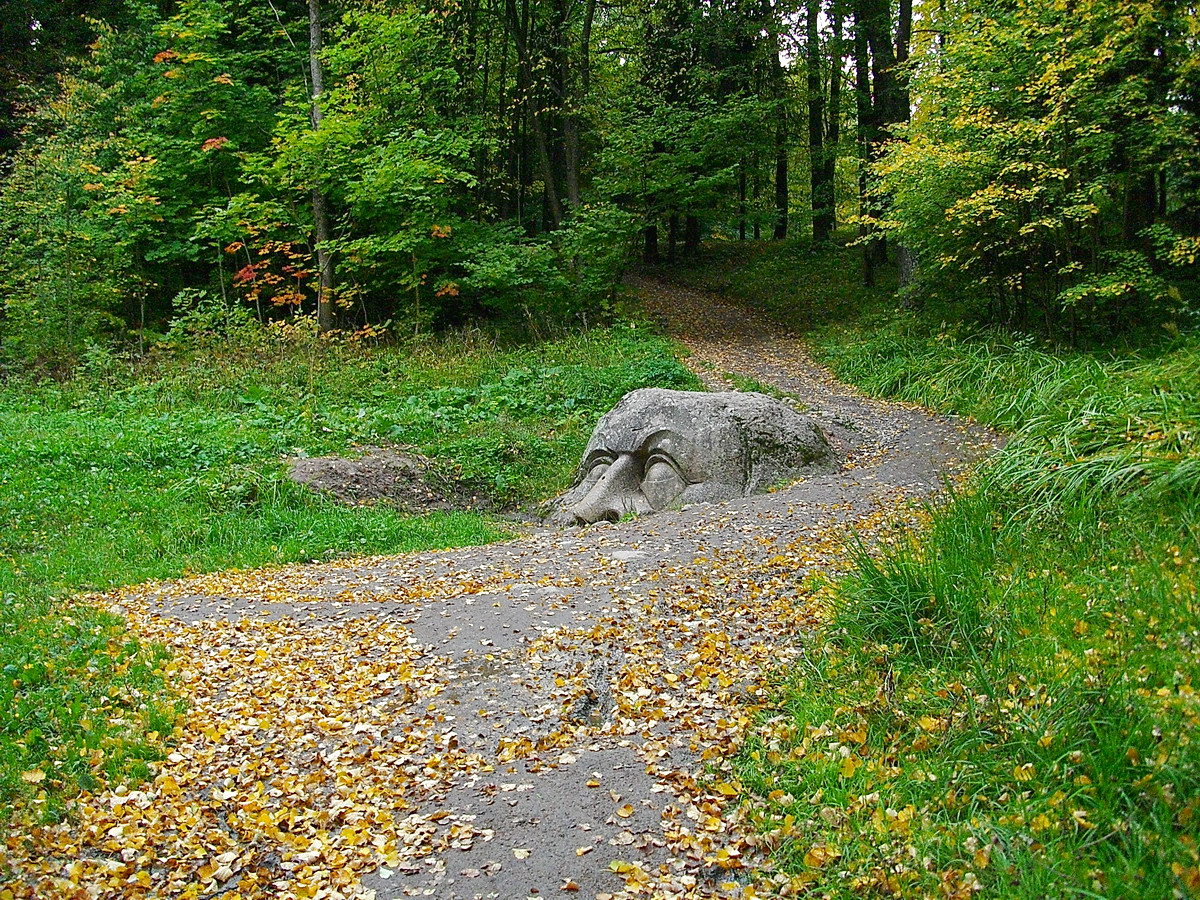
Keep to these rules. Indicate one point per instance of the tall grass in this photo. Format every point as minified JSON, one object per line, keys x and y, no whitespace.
{"x":1014,"y":685}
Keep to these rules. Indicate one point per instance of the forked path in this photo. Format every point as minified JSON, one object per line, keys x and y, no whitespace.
{"x":554,"y":713}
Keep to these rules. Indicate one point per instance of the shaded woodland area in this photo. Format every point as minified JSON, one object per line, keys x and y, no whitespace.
{"x":438,"y":162}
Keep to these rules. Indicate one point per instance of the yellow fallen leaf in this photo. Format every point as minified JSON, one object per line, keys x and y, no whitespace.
{"x":625,"y":811}
{"x":583,"y":851}
{"x":817,"y":856}
{"x":850,"y":765}
{"x":33,"y":776}
{"x":1024,"y":772}
{"x":726,"y":790}
{"x":520,"y":853}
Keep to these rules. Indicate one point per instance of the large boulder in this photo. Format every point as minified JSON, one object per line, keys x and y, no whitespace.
{"x":659,"y":449}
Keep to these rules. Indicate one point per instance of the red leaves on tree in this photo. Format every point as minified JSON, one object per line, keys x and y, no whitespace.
{"x":245,"y":275}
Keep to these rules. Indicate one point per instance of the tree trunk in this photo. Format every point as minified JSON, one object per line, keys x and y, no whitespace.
{"x":320,"y":202}
{"x":691,"y":235}
{"x":833,"y":126}
{"x":672,"y":236}
{"x":782,"y":197}
{"x":819,"y":172}
{"x":742,"y":200}
{"x":571,"y":126}
{"x":1139,"y":207}
{"x":876,"y":20}
{"x":650,"y":253}
{"x":519,"y":26}
{"x":782,"y":200}
{"x":866,"y":129}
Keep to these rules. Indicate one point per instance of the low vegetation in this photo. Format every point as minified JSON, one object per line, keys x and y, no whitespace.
{"x":133,"y":471}
{"x":1005,"y":701}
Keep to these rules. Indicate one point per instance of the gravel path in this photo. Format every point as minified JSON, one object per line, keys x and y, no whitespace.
{"x":554,"y":713}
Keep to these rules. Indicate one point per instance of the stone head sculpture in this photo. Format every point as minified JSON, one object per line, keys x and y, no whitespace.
{"x":659,"y":449}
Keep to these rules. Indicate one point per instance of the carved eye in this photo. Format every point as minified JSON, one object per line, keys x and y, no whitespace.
{"x":661,"y":483}
{"x":597,"y":470}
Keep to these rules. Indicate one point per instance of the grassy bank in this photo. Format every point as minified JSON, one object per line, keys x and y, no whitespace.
{"x":1006,"y":704}
{"x":127,"y":472}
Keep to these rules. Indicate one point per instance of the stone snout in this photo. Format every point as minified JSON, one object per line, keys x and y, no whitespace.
{"x":658,"y":450}
{"x":616,"y":492}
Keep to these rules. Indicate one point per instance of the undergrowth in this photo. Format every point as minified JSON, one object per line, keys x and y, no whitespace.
{"x":129,"y":471}
{"x":1004,"y":704}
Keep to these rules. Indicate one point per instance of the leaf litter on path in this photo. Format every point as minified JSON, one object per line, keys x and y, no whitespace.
{"x":553,"y":714}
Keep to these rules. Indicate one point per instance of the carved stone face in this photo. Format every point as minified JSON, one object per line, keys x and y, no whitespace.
{"x":660,"y":449}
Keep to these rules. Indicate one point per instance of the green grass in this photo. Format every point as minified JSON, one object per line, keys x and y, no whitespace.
{"x":1014,"y":685}
{"x":135,"y":471}
{"x":789,"y":281}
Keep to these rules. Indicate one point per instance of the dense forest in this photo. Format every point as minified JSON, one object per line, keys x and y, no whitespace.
{"x":356,"y":167}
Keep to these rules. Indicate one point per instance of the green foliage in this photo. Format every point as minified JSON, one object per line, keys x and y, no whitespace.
{"x":106,"y":206}
{"x":1052,"y":163}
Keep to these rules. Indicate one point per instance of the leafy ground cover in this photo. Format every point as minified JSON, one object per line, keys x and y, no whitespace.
{"x":128,"y":472}
{"x":1006,"y":701}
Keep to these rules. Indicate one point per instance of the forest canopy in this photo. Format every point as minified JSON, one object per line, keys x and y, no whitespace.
{"x":182,"y":164}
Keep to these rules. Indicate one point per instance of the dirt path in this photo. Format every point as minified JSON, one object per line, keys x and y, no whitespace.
{"x":555,"y":713}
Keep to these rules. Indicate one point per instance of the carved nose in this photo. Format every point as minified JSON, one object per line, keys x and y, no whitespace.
{"x":611,"y":496}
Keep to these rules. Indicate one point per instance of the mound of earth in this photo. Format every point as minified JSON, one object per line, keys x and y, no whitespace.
{"x":379,"y":475}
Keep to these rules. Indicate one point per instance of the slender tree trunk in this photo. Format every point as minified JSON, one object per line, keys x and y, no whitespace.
{"x":691,"y":235}
{"x":650,"y":252}
{"x":1139,"y":206}
{"x":866,"y":128}
{"x":905,"y":261}
{"x":519,"y":27}
{"x":320,"y":202}
{"x":818,"y":168}
{"x":672,"y":236}
{"x":757,"y":198}
{"x":833,"y":121}
{"x":742,"y":200}
{"x":888,"y":102}
{"x":571,"y":124}
{"x":554,"y":210}
{"x":782,"y":195}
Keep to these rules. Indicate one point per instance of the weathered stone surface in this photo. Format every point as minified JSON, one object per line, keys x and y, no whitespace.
{"x":659,"y":449}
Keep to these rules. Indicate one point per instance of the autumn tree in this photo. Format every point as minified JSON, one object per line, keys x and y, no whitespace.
{"x":1052,"y":169}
